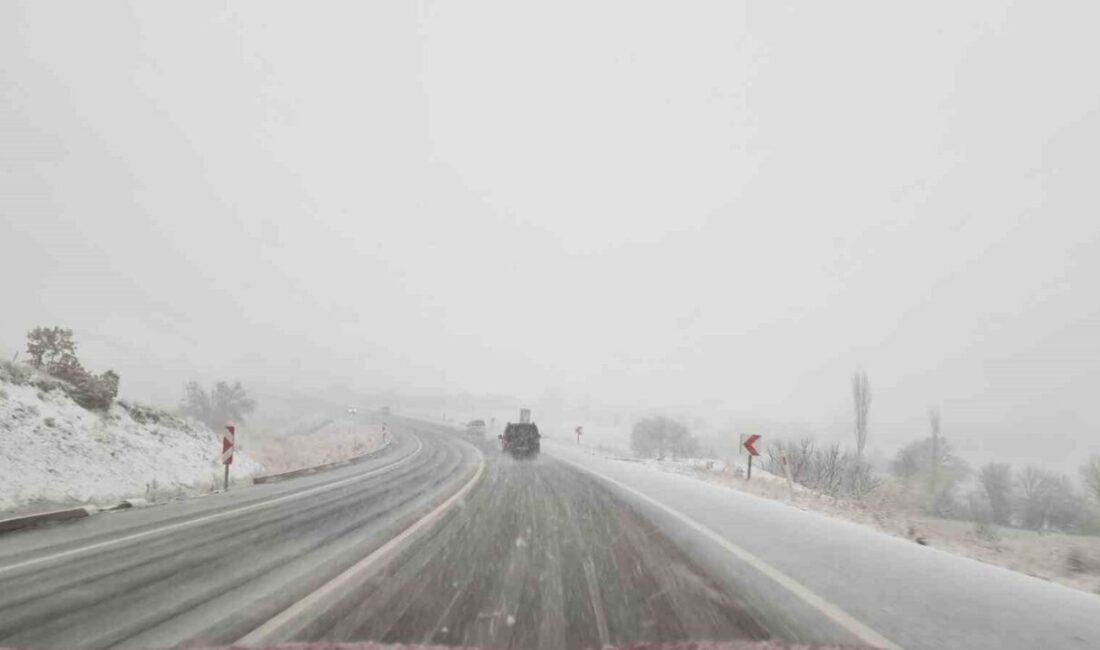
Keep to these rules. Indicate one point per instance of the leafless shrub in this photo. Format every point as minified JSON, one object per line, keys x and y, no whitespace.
{"x":986,"y":532}
{"x":829,"y":470}
{"x":1076,"y":562}
{"x":861,"y":398}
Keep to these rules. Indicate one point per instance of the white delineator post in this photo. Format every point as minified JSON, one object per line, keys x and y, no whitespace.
{"x":227,"y":450}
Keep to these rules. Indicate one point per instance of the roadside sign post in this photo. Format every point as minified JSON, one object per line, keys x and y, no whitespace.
{"x":749,"y":446}
{"x":580,"y":430}
{"x":227,"y":450}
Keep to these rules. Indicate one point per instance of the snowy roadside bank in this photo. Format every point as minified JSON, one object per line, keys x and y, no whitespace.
{"x":55,"y":453}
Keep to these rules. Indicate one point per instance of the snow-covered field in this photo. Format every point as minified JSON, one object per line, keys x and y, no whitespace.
{"x":54,"y":452}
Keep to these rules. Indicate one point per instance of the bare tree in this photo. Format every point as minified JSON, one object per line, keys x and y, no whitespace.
{"x":906,"y":465}
{"x":830,"y":470}
{"x":921,"y":459}
{"x":996,"y":482}
{"x":861,"y":395}
{"x":1047,"y":500}
{"x":935,"y":458}
{"x":1090,"y":473}
{"x":799,"y":455}
{"x":221,"y":406}
{"x":659,"y":435}
{"x":51,"y":348}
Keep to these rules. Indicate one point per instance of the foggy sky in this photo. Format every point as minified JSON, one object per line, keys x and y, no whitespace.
{"x":716,"y":206}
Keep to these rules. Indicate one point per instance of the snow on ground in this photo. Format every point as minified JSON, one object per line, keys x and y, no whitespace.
{"x":53,"y":452}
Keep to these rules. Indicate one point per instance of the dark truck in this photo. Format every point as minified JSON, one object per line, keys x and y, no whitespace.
{"x":521,"y":439}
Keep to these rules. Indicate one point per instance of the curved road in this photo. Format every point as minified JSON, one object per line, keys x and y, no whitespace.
{"x":209,"y":570}
{"x":541,"y":556}
{"x":568,"y":550}
{"x":536,"y":555}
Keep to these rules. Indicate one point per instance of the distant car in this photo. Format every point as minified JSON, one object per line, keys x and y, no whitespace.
{"x":520,"y":439}
{"x":475,"y":428}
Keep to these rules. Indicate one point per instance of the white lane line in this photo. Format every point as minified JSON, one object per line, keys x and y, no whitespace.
{"x":285,"y":624}
{"x":831,"y":611}
{"x":213,"y":517}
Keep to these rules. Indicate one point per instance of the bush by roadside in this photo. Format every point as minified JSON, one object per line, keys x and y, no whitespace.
{"x":1068,"y":559}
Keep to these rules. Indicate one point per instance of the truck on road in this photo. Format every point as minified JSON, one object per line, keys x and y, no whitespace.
{"x":521,"y":439}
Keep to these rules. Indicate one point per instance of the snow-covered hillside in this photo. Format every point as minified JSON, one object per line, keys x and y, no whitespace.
{"x":52,"y":451}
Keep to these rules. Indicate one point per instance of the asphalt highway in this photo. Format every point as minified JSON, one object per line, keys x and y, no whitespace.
{"x":209,"y":570}
{"x":513,"y":554}
{"x":540,"y":556}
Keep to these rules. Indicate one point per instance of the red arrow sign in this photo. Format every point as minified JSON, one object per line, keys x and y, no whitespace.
{"x":749,"y":442}
{"x":228,"y":444}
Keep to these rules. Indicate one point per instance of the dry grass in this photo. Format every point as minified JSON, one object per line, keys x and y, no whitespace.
{"x":333,"y":442}
{"x":1071,"y":560}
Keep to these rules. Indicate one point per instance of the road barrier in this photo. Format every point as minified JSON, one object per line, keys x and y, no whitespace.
{"x":27,"y":521}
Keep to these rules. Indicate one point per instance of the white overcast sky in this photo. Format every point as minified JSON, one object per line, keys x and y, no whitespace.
{"x":658,"y":203}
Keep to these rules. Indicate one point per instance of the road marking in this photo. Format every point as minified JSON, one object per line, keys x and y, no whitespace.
{"x":219,"y":515}
{"x":829,"y":610}
{"x":275,"y":630}
{"x":597,"y":602}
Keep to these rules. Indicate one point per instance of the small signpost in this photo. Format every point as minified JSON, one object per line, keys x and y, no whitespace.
{"x":580,"y":430}
{"x":227,"y":450}
{"x":749,"y":445}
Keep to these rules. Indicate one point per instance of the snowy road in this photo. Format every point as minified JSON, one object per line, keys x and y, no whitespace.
{"x":210,"y":570}
{"x":567,"y":551}
{"x":916,"y":597}
{"x":541,"y":556}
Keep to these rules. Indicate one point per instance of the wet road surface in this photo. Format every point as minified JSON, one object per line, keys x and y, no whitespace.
{"x":209,"y":570}
{"x":539,"y":556}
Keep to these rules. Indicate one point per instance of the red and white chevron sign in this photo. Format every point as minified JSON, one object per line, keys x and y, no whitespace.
{"x":227,"y":444}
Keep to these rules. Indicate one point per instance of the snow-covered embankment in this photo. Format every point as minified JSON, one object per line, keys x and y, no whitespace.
{"x":54,"y":452}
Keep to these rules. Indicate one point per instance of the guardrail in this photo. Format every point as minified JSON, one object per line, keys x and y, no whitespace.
{"x":27,"y":521}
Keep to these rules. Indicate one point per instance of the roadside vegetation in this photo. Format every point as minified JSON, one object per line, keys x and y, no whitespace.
{"x":223,"y":404}
{"x":52,"y":364}
{"x":1028,"y":519}
{"x":659,"y":436}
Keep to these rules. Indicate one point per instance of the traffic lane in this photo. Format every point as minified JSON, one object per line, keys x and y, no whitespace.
{"x":916,"y":596}
{"x":212,"y":583}
{"x":99,"y":599}
{"x":18,"y":546}
{"x":539,"y":556}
